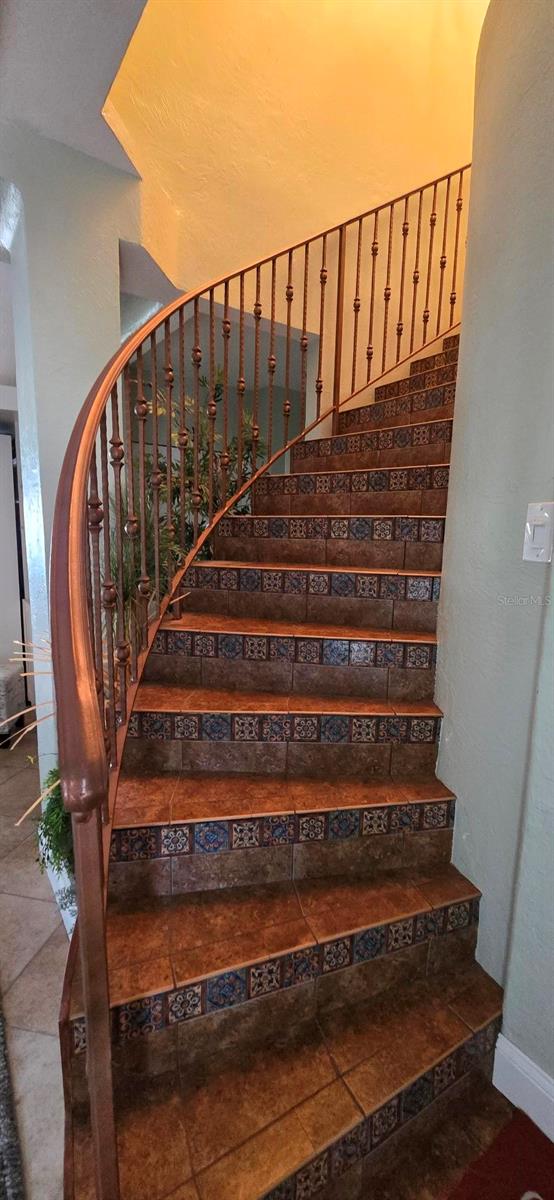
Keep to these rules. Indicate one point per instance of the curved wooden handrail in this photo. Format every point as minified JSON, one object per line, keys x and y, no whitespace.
{"x":89,"y":732}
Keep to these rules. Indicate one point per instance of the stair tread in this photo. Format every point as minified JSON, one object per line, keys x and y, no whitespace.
{"x":172,"y":798}
{"x":248,"y":565}
{"x":163,"y":943}
{"x":166,"y":697}
{"x":239,"y":1124}
{"x":360,"y":470}
{"x":327,"y":516}
{"x":222,"y":623}
{"x":382,"y":429}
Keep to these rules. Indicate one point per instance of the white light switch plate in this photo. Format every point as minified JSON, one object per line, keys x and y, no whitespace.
{"x":539,"y":528}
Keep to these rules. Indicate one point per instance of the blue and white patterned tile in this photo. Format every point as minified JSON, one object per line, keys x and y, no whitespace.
{"x":159,"y":642}
{"x":458,"y":916}
{"x":367,"y":586}
{"x":362,"y":654}
{"x":375,"y":821}
{"x":249,"y":580}
{"x":311,"y":827}
{"x":445,"y":1074}
{"x":335,"y":652}
{"x":343,"y":584}
{"x":79,"y":1035}
{"x":384,"y":1121}
{"x":423,"y":729}
{"x":255,"y":648}
{"x":305,"y":729}
{"x":361,"y":529}
{"x":272,"y":581}
{"x":336,"y":955}
{"x":383,"y":530}
{"x":216,"y":727}
{"x":275,"y":728}
{"x":245,"y":834}
{"x":343,"y":823}
{"x":184,"y":1003}
{"x":392,"y":587}
{"x":187,"y":728}
{"x":435,"y":816}
{"x":136,"y":844}
{"x":308,"y":650}
{"x":295,"y":582}
{"x":265,"y":977}
{"x":246,"y":728}
{"x":210,"y":837}
{"x":419,"y":657}
{"x":335,"y":728}
{"x":229,"y":579}
{"x":229,"y":645}
{"x":350,"y":1149}
{"x":226,"y":990}
{"x":301,"y":966}
{"x":369,"y":944}
{"x":313,"y":1177}
{"x":400,"y":934}
{"x":278,"y":830}
{"x":140,"y":1017}
{"x":133,"y":728}
{"x":281,"y":649}
{"x":175,"y":839}
{"x":179,"y":641}
{"x":419,"y":588}
{"x":404,"y":818}
{"x":431,"y":531}
{"x":318,"y":583}
{"x":406,"y":529}
{"x":417,"y":1096}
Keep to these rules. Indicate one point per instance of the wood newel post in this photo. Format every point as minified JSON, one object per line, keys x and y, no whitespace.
{"x":338,"y":328}
{"x":89,"y":875}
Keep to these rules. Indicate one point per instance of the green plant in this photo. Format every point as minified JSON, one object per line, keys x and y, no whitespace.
{"x":54,"y":833}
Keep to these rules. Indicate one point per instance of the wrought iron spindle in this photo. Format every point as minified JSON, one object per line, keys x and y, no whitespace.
{"x":131,"y":524}
{"x":271,"y":361}
{"x":156,"y":474}
{"x":289,"y":295}
{"x":122,"y":650}
{"x":169,"y":377}
{"x":95,"y":518}
{"x":387,"y":291}
{"x":143,"y":583}
{"x":459,"y":206}
{"x":241,"y":386}
{"x":374,"y":253}
{"x":415,"y":277}
{"x":442,"y":260}
{"x":400,"y":322}
{"x":432,"y":223}
{"x":212,"y":409}
{"x":226,"y":333}
{"x":322,"y":284}
{"x":255,"y":413}
{"x":108,"y":595}
{"x":304,"y":338}
{"x":338,"y":326}
{"x":183,"y":436}
{"x":196,"y":361}
{"x":356,"y":305}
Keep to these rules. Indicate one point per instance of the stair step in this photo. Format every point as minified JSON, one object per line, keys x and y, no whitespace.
{"x":386,"y":539}
{"x":419,"y":442}
{"x":396,"y":409}
{"x":422,"y":381}
{"x":168,"y":815}
{"x":419,"y":489}
{"x":444,"y":358}
{"x":190,"y":955}
{"x":296,"y":1112}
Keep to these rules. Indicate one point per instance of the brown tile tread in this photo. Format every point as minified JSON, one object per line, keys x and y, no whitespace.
{"x":222,"y":623}
{"x":248,"y":565}
{"x":165,"y":697}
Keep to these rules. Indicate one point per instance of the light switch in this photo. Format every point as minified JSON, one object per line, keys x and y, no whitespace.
{"x":539,"y":527}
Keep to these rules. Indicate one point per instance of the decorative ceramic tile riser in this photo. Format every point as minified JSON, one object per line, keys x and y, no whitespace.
{"x":211,"y":837}
{"x":332,"y":652}
{"x":374,"y":1130}
{"x":452,"y":340}
{"x":358,"y":585}
{"x":356,"y":529}
{"x":417,"y":382}
{"x":444,"y":359}
{"x":399,"y":405}
{"x":386,"y":479}
{"x":327,"y":728}
{"x":149,"y":1014}
{"x":400,"y":437}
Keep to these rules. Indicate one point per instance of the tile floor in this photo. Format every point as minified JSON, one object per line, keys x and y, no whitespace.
{"x":33,"y":950}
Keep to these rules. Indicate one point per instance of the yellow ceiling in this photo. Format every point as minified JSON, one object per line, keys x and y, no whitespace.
{"x":257,"y":122}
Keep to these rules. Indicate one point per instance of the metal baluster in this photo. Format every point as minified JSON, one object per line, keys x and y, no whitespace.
{"x":226,"y":333}
{"x":196,"y":361}
{"x":95,"y":518}
{"x":156,"y":474}
{"x":169,"y":377}
{"x":241,"y":387}
{"x":122,"y":653}
{"x":374,"y":253}
{"x":143,"y":584}
{"x":459,"y":206}
{"x":183,"y":435}
{"x":255,"y":424}
{"x":304,"y":340}
{"x":131,"y":524}
{"x":212,"y":410}
{"x":432,"y":223}
{"x":338,"y":327}
{"x":356,"y":305}
{"x":415,"y":277}
{"x":387,"y":291}
{"x":272,"y":361}
{"x":323,"y":283}
{"x":442,"y":260}
{"x":400,"y":323}
{"x":289,"y":294}
{"x":108,"y":594}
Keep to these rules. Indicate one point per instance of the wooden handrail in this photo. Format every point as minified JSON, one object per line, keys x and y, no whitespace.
{"x":122,"y":498}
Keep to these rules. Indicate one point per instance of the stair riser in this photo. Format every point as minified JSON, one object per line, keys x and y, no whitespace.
{"x":417,"y":382}
{"x":245,"y":984}
{"x":413,"y":543}
{"x":445,"y":358}
{"x":318,"y":760}
{"x":415,"y":502}
{"x":377,"y":448}
{"x":397,"y":489}
{"x":411,"y":408}
{"x":340,"y":826}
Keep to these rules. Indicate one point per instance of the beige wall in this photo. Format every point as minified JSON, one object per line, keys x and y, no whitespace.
{"x":257,"y":124}
{"x":495,"y":632}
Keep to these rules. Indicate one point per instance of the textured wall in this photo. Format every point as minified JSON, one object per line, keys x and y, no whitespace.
{"x":495,"y":660}
{"x":255,"y":125}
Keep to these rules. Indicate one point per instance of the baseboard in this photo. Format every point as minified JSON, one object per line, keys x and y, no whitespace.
{"x":525,"y":1084}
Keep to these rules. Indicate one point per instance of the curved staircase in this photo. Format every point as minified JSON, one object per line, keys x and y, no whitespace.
{"x":290,"y":952}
